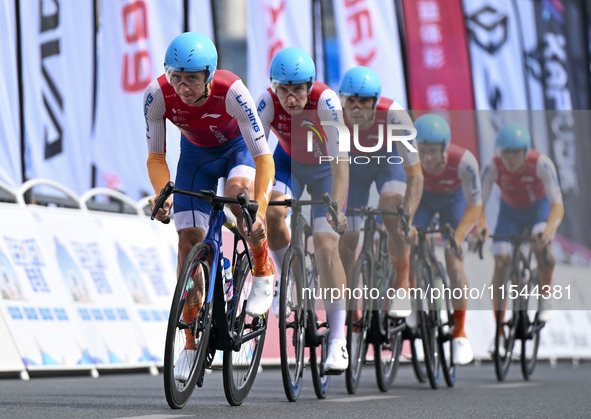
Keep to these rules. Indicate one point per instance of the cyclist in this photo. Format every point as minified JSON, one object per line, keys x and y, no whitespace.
{"x":282,"y":108}
{"x":360,"y":94}
{"x":452,"y":189}
{"x":221,"y":136}
{"x":530,"y":198}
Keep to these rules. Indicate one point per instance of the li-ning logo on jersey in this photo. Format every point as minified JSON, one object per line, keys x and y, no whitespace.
{"x":249,"y":113}
{"x":210,"y":115}
{"x":149,"y":100}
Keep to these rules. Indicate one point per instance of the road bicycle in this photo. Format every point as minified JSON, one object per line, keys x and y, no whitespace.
{"x":201,"y":316}
{"x":433,"y":309}
{"x":516,"y":310}
{"x":367,"y":320}
{"x":301,"y":325}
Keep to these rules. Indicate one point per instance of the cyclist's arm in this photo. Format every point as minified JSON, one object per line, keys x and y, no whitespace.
{"x":546,"y":171}
{"x":410,"y":161}
{"x":469,"y":174}
{"x":329,"y":107}
{"x":240,"y":105}
{"x":154,"y":109}
{"x":488,"y":178}
{"x":266,"y":111}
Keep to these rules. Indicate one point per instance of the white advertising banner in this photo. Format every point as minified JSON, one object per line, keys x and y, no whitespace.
{"x":58,"y":55}
{"x":10,"y":133}
{"x":368,"y":35}
{"x":272,"y":26}
{"x":133,"y":38}
{"x":497,"y":67}
{"x":98,"y":295}
{"x":35,"y":303}
{"x":145,"y":257}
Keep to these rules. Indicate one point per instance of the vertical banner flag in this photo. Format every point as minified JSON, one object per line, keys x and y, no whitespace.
{"x":272,"y":26}
{"x":58,"y":79}
{"x":497,"y":67}
{"x":368,"y":35}
{"x":200,"y":17}
{"x":561,"y":32}
{"x":438,"y":64}
{"x":133,"y":38}
{"x":10,"y":130}
{"x":532,"y":53}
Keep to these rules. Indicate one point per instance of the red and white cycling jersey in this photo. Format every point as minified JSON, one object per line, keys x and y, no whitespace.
{"x":526,"y":187}
{"x":228,"y":112}
{"x":388,"y":111}
{"x":461,"y":170}
{"x":292,"y":131}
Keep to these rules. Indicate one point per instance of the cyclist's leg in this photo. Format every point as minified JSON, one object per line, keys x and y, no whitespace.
{"x":451,"y":211}
{"x":197,"y":169}
{"x":391,"y":183}
{"x":330,"y":267}
{"x":360,"y":180}
{"x":544,"y":258}
{"x":240,"y":173}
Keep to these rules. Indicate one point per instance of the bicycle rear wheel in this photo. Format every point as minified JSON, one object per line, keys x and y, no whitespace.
{"x":358,"y":318}
{"x":241,"y":363}
{"x":189,"y":326}
{"x":292,"y":330}
{"x":506,"y":328}
{"x":446,"y":326}
{"x":531,"y":327}
{"x":389,"y":345}
{"x":428,"y":318}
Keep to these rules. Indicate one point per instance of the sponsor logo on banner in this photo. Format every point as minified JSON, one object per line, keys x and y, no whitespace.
{"x":488,"y":28}
{"x":275,"y":43}
{"x":359,"y":19}
{"x":136,"y":73}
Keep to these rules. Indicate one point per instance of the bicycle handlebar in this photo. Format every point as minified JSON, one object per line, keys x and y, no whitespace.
{"x":249,"y":208}
{"x":327,"y":201}
{"x":515,"y":240}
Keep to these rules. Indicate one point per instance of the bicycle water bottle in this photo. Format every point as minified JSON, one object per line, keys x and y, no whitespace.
{"x":228,"y":282}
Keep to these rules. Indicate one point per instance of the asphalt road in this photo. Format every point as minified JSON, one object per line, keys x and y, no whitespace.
{"x":560,"y":390}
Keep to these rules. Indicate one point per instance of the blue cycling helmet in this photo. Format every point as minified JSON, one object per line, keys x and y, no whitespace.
{"x":361,"y":82}
{"x":191,"y":51}
{"x":432,"y":129}
{"x":292,"y":66}
{"x":513,"y":137}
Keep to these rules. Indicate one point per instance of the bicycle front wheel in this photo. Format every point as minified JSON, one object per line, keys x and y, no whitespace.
{"x":389,"y":344}
{"x":248,"y":333}
{"x":446,"y":326}
{"x":428,"y":318}
{"x":358,"y":318}
{"x":292,"y":324}
{"x":507,"y":316}
{"x":189,"y":326}
{"x":531,"y":327}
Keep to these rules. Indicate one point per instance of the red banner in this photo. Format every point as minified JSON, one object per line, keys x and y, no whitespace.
{"x":439,"y":76}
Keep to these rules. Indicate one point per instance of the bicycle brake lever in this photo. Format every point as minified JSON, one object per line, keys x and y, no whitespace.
{"x":404,"y":216}
{"x":244,"y":205}
{"x":331,"y":205}
{"x":164,"y":194}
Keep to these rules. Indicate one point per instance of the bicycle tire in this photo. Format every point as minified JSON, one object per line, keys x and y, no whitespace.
{"x":418,"y":368}
{"x":190,"y":278}
{"x":318,"y":354}
{"x":292,"y":330}
{"x":531,"y":340}
{"x":428,"y":325}
{"x":506,"y":329}
{"x":358,"y":321}
{"x":446,"y":328}
{"x":387,"y":350}
{"x":240,"y":366}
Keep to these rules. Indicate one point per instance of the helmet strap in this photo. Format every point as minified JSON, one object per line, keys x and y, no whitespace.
{"x":204,"y":95}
